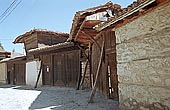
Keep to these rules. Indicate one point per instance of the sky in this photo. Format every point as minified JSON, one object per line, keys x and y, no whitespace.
{"x":55,"y":15}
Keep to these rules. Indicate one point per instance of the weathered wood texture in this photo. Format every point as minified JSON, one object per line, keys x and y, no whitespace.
{"x":61,"y":69}
{"x":16,"y":73}
{"x":67,"y":68}
{"x":47,"y":74}
{"x":36,"y":40}
{"x":106,"y":82}
{"x":49,"y":39}
{"x":31,"y":42}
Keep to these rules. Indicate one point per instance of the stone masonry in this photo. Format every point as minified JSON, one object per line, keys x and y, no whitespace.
{"x":143,"y":55}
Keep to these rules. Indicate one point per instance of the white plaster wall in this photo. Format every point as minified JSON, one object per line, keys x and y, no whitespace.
{"x":32,"y":71}
{"x":3,"y":73}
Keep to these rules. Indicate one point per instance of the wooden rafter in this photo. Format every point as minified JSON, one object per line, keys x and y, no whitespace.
{"x":91,"y":38}
{"x":81,"y":27}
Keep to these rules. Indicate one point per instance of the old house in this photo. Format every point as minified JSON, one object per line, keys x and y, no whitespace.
{"x":3,"y":54}
{"x":100,"y":46}
{"x":130,"y":54}
{"x":141,"y":36}
{"x":50,"y":59}
{"x":15,"y":70}
{"x":60,"y":64}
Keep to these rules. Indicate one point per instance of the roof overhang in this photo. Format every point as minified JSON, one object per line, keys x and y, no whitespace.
{"x":80,"y":16}
{"x":14,"y":59}
{"x":123,"y":16}
{"x":20,"y":39}
{"x":85,"y":30}
{"x":54,"y":48}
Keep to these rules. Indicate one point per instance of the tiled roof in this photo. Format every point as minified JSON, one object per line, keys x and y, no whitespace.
{"x":16,"y":58}
{"x":124,"y":12}
{"x":45,"y":31}
{"x":50,"y":48}
{"x":80,"y":16}
{"x":4,"y":52}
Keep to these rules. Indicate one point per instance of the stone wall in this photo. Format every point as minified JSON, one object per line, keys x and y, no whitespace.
{"x":86,"y":83}
{"x":143,"y":55}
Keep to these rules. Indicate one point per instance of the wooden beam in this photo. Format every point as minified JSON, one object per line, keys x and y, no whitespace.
{"x":97,"y":73}
{"x":90,"y":66}
{"x":81,"y":27}
{"x":92,"y":39}
{"x":38,"y":75}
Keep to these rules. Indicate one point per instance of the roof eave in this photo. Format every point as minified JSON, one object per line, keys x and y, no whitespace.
{"x":114,"y":21}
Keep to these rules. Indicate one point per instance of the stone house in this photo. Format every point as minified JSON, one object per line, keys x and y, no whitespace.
{"x":133,"y":44}
{"x":142,"y":32}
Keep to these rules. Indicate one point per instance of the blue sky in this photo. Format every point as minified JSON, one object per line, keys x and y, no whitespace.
{"x":53,"y":15}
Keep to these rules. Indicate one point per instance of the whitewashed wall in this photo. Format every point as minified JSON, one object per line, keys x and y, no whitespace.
{"x":3,"y":73}
{"x":32,"y":71}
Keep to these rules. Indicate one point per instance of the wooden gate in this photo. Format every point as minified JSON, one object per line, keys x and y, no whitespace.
{"x":16,"y":73}
{"x":47,"y":70}
{"x":66,"y":68}
{"x":19,"y":73}
{"x":107,"y":81}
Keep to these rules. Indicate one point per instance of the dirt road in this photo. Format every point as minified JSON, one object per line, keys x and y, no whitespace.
{"x":51,"y":98}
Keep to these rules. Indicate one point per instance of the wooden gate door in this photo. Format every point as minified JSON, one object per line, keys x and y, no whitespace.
{"x":72,"y":61}
{"x":10,"y":73}
{"x":66,"y":68}
{"x":112,"y":64}
{"x":59,"y":70}
{"x":47,"y":70}
{"x":19,"y":71}
{"x":113,"y":77}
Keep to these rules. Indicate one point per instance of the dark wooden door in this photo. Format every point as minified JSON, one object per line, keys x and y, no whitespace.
{"x":10,"y":73}
{"x":60,"y":78}
{"x":66,"y":68}
{"x":72,"y":65}
{"x":19,"y":73}
{"x":47,"y":70}
{"x":112,"y":75}
{"x":46,"y":74}
{"x":112,"y":64}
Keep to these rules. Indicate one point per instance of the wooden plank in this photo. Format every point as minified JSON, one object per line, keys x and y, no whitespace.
{"x":105,"y":78}
{"x":80,"y":29}
{"x":97,"y":74}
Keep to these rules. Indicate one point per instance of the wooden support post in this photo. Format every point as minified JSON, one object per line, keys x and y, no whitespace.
{"x":84,"y":74}
{"x":38,"y":75}
{"x":97,"y":74}
{"x":90,"y":67}
{"x":91,"y":38}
